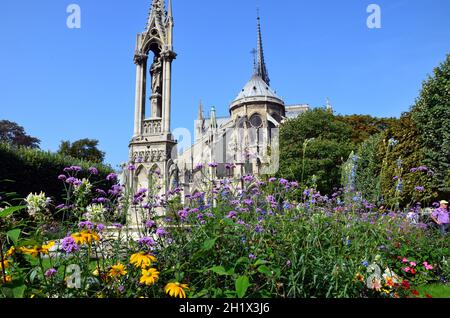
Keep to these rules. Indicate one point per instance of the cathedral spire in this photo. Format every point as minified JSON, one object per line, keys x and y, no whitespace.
{"x":260,"y":67}
{"x":200,"y":111}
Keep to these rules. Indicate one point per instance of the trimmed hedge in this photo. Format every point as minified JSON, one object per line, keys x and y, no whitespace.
{"x":24,"y":171}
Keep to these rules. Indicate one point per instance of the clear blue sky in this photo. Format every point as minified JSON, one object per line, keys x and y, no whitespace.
{"x":61,"y":83}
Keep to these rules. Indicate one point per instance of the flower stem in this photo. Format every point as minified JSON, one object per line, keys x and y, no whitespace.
{"x":2,"y":261}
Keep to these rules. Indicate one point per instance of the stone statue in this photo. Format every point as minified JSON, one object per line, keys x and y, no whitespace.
{"x":173,"y":176}
{"x":156,"y":72}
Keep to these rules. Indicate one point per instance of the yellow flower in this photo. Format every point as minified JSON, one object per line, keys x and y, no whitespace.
{"x":142,"y":260}
{"x":390,"y":282}
{"x":30,"y":251}
{"x":89,"y":236}
{"x":4,"y":264}
{"x":45,"y":248}
{"x":176,"y":290}
{"x":78,"y":238}
{"x":149,"y":277}
{"x":11,"y":251}
{"x":359,"y":277}
{"x":117,"y":270}
{"x":386,"y":291}
{"x":8,"y":279}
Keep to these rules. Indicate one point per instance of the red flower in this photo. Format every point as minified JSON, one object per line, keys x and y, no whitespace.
{"x":428,"y":296}
{"x":415,"y":292}
{"x":413,"y":271}
{"x":405,"y":284}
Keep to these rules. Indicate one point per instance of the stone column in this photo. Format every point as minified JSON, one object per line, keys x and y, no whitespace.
{"x":168,"y":57}
{"x":140,"y":61}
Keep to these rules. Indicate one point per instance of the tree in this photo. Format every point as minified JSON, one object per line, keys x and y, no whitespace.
{"x":14,"y":134}
{"x":314,"y":144}
{"x":85,"y":149}
{"x":365,"y":126}
{"x":431,"y":114}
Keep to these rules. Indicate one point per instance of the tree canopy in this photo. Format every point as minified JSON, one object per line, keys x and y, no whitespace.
{"x":85,"y":149}
{"x":15,"y":135}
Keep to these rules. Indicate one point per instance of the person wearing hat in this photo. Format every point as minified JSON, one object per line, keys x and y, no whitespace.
{"x":441,"y":216}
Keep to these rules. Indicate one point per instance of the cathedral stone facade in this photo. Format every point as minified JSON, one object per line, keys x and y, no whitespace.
{"x":244,"y":143}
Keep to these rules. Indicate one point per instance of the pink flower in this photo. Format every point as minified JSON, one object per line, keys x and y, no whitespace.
{"x":404,"y":260}
{"x":412,"y":264}
{"x":406,"y":269}
{"x":428,"y":267}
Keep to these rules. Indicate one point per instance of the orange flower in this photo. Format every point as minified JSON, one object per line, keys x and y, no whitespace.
{"x":176,"y":290}
{"x":142,"y":260}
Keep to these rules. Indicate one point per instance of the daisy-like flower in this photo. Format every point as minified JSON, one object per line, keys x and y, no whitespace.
{"x":45,"y":248}
{"x":4,"y":264}
{"x":176,"y":290}
{"x":117,"y":270}
{"x":142,"y":260}
{"x":11,"y":251}
{"x":90,"y":236}
{"x":149,"y":277}
{"x":34,"y":252}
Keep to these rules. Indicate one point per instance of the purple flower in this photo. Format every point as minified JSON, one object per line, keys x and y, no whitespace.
{"x":68,"y":245}
{"x":229,"y":166}
{"x":284,"y":182}
{"x":86,"y":225}
{"x":251,"y":256}
{"x":413,"y":169}
{"x":161,"y":232}
{"x":60,"y":207}
{"x":419,"y":188}
{"x":117,"y":225}
{"x":93,"y":171}
{"x":213,"y":165}
{"x":62,"y":177}
{"x":259,"y":229}
{"x":248,"y":178}
{"x":100,"y":227}
{"x":111,"y":177}
{"x":146,"y":241}
{"x":149,"y":224}
{"x":199,"y":166}
{"x":232,"y":215}
{"x":272,"y":180}
{"x":71,"y":180}
{"x":422,"y":168}
{"x":248,"y":202}
{"x":50,"y":273}
{"x":131,"y":167}
{"x":294,"y":184}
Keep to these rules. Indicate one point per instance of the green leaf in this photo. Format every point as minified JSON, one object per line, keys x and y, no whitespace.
{"x":8,"y":211}
{"x":19,"y":291}
{"x":14,"y":235}
{"x":242,"y":284}
{"x":220,"y":270}
{"x":260,"y":262}
{"x":263,"y":269}
{"x":209,"y":244}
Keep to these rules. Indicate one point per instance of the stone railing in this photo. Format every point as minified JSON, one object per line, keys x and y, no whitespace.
{"x":152,"y":127}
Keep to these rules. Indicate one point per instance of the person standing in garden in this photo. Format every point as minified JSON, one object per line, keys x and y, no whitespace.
{"x":441,"y":216}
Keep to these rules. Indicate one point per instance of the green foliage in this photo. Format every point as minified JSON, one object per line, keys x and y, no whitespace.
{"x":431,"y":114}
{"x":84,"y":149}
{"x":15,"y":135}
{"x":368,"y":168}
{"x":329,"y":145}
{"x":365,"y":126}
{"x":33,"y":171}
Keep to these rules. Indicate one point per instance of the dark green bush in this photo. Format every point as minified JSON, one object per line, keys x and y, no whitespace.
{"x":24,"y":171}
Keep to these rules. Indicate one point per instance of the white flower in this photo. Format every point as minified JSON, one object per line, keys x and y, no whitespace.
{"x":94,"y":212}
{"x":37,"y":203}
{"x":84,"y":187}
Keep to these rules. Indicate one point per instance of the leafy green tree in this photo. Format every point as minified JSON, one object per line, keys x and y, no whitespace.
{"x":14,"y":134}
{"x":315,"y":144}
{"x":365,"y":126}
{"x":401,"y":183}
{"x":431,"y":114}
{"x":368,"y":167}
{"x":85,"y":149}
